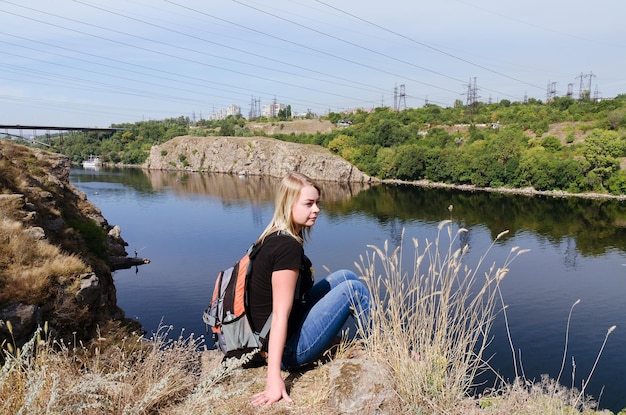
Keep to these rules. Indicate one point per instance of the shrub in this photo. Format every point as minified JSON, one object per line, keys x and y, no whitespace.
{"x":95,"y":236}
{"x":433,"y":325}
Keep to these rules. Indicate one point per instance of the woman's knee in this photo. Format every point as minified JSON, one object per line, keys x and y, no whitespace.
{"x":342,"y":275}
{"x":355,"y":290}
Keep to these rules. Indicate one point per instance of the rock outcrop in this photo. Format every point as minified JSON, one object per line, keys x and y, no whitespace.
{"x":252,"y":156}
{"x":45,"y":220}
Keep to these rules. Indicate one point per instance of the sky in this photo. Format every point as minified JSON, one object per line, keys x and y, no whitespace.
{"x":94,"y":63}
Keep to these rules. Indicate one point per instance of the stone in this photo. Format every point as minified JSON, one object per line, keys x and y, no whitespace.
{"x":115,"y":232}
{"x":36,"y":232}
{"x":252,"y":156}
{"x":90,"y":292}
{"x":359,"y":385}
{"x":24,"y":319}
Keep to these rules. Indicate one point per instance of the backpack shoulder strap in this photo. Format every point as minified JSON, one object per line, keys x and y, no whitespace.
{"x":252,"y":252}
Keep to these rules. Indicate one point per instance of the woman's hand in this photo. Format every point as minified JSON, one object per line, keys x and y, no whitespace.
{"x":274,"y":391}
{"x":283,"y":289}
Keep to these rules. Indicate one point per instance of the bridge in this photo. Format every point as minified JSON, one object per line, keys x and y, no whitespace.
{"x":47,"y":129}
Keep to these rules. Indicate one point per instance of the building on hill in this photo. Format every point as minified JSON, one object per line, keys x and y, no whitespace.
{"x":271,"y":110}
{"x":226,"y":112}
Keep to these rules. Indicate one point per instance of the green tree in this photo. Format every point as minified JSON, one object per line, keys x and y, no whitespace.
{"x":284,"y":113}
{"x":602,"y":150}
{"x":410,"y":162}
{"x":616,"y":184}
{"x":617,"y":118}
{"x":551,"y":143}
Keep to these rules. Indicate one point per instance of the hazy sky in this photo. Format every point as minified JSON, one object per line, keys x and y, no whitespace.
{"x":97,"y":62}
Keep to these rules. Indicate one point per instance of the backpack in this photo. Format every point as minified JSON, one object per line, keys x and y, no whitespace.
{"x":227,"y":314}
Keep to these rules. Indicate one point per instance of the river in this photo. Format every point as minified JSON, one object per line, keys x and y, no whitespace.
{"x":191,"y":225}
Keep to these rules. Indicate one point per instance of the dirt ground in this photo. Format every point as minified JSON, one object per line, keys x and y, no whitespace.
{"x":563,"y":129}
{"x":560,"y":130}
{"x":296,"y":127}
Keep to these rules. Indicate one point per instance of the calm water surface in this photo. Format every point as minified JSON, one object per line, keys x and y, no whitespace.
{"x":192,"y":225}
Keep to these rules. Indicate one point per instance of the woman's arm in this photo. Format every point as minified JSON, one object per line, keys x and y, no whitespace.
{"x":283,"y":289}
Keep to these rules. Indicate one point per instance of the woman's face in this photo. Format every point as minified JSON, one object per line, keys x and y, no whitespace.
{"x":304,"y":211}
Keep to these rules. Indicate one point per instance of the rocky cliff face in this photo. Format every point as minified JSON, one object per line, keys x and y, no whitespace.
{"x":56,"y":251}
{"x":252,"y":156}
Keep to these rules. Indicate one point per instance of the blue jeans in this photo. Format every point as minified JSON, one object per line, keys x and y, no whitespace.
{"x":329,"y":304}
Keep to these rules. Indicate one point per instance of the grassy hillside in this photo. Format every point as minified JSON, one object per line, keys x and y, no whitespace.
{"x":54,"y":249}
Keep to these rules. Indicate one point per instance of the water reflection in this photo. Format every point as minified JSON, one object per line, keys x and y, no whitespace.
{"x":595,"y":226}
{"x":589,"y":227}
{"x":195,"y":224}
{"x":233,"y":188}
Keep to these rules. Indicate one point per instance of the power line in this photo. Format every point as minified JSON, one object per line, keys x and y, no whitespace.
{"x":152,"y":50}
{"x":148,"y":68}
{"x":429,"y":46}
{"x":347,"y":41}
{"x":309,"y":47}
{"x":282,"y":82}
{"x":256,"y":55}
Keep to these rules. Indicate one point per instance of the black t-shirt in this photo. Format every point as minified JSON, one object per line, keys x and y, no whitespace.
{"x":279,"y":252}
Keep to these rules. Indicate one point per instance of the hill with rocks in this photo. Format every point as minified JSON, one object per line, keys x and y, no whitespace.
{"x":251,"y":156}
{"x":58,"y":251}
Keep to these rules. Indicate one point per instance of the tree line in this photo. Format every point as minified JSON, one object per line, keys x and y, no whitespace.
{"x":489,"y":145}
{"x":483,"y":144}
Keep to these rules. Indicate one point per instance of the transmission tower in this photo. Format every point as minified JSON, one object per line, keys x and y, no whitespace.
{"x":395,"y":98}
{"x":582,"y":77}
{"x":551,"y":92}
{"x":255,"y":108}
{"x":585,"y":93}
{"x":590,"y":76}
{"x":570,"y":90}
{"x":468,"y":95}
{"x":472,"y":93}
{"x":252,"y":114}
{"x":472,"y":96}
{"x":402,"y":99}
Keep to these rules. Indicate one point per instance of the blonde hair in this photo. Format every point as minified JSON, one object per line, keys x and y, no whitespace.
{"x":287,"y":196}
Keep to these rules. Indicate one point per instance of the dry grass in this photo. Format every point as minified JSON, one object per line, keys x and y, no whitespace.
{"x":429,"y":327}
{"x":134,"y":377}
{"x":30,"y":268}
{"x":432,"y":326}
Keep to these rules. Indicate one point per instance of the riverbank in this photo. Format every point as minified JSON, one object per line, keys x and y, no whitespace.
{"x":528,"y":191}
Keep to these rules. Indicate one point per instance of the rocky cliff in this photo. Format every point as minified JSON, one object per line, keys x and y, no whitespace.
{"x":56,"y":250}
{"x":252,"y":156}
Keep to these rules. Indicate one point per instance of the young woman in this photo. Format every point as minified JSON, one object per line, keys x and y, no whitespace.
{"x":305,"y":318}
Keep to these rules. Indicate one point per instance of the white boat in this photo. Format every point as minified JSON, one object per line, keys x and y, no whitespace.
{"x":93,"y":162}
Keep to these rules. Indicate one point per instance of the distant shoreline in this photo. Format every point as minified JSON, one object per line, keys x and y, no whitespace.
{"x":527,"y":191}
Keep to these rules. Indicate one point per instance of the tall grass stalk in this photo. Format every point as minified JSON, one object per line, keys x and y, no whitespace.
{"x":134,"y":376}
{"x":595,"y":363}
{"x":569,"y":319}
{"x":431,"y":324}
